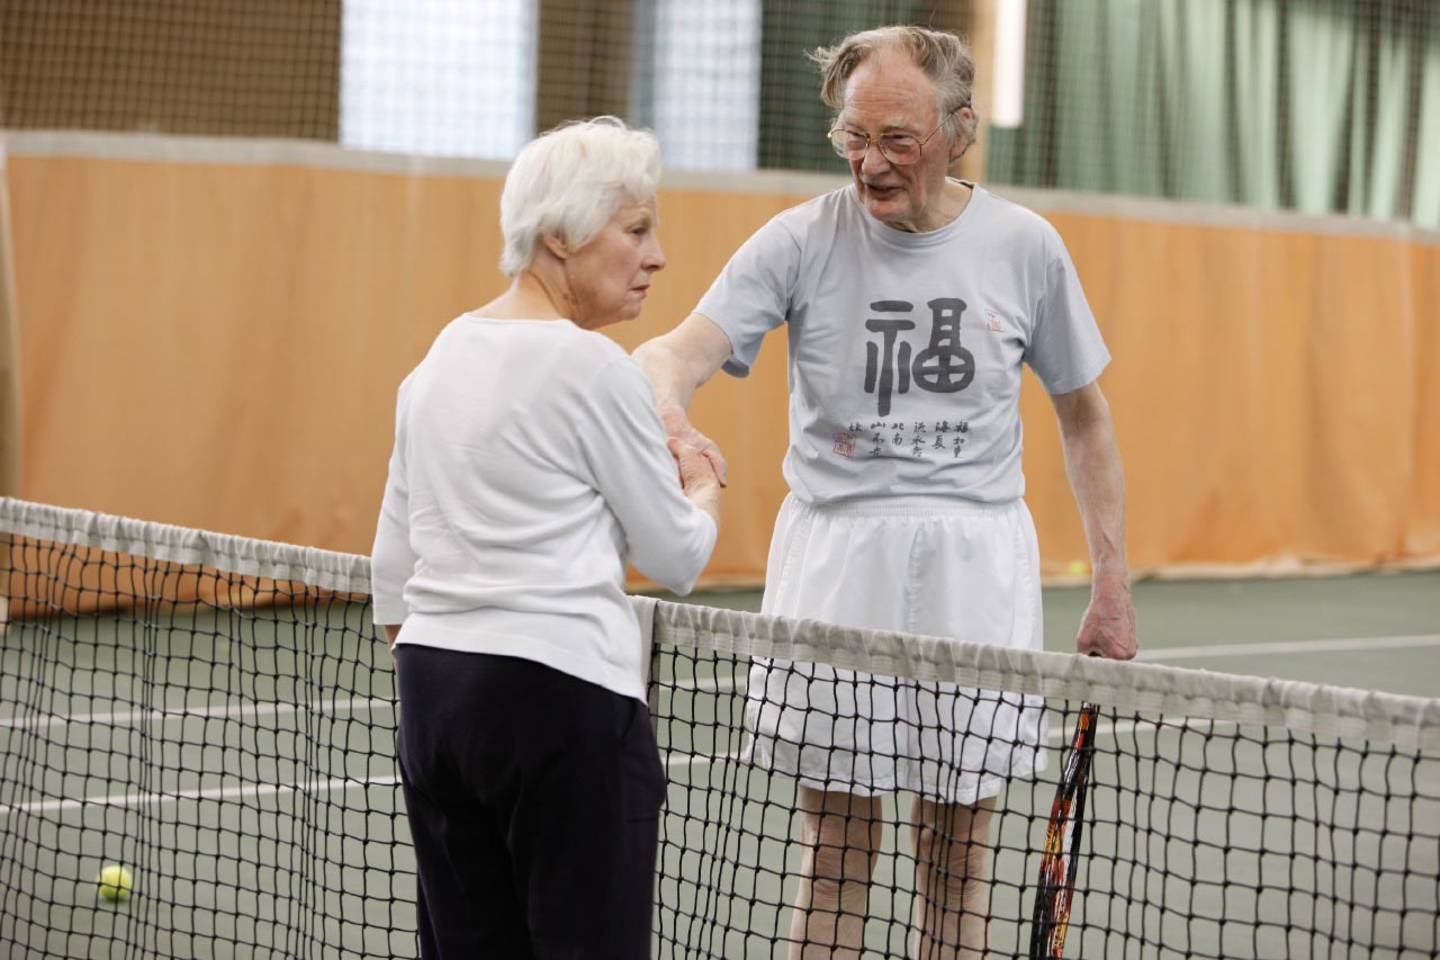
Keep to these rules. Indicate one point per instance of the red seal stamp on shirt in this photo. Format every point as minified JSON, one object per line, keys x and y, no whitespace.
{"x":845,"y":444}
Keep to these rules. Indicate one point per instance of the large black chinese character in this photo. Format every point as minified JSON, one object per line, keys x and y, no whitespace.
{"x":886,"y":369}
{"x":944,"y":366}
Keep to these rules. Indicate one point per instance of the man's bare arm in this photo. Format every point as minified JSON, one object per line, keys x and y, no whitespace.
{"x":1097,"y":479}
{"x":677,"y":363}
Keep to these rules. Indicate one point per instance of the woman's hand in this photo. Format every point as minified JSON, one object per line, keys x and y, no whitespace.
{"x":698,"y":479}
{"x":678,"y":427}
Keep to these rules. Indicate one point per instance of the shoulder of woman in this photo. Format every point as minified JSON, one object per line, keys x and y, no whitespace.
{"x":586,"y":353}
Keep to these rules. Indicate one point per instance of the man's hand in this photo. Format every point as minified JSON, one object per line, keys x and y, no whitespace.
{"x":678,"y":427}
{"x":1108,"y":627}
{"x":676,"y":364}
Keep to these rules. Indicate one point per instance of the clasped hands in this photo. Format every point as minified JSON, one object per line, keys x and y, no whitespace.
{"x":697,"y":456}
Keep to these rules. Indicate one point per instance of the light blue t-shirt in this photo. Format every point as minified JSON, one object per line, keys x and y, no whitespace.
{"x":906,"y":349}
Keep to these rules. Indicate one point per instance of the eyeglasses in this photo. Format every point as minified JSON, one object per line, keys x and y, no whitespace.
{"x":901,"y":149}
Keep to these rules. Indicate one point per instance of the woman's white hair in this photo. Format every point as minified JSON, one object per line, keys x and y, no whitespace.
{"x":569,"y":181}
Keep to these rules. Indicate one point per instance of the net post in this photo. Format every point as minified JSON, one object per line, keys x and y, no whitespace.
{"x":10,"y":424}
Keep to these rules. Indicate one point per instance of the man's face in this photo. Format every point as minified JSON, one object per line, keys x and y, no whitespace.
{"x":889,"y":94}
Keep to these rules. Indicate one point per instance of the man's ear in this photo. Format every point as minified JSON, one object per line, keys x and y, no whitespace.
{"x":555,"y":245}
{"x":964,"y":142}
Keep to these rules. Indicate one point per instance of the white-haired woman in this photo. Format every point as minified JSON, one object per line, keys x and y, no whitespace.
{"x":529,"y":465}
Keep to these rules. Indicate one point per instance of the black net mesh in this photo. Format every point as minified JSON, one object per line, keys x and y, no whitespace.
{"x":217,"y":716}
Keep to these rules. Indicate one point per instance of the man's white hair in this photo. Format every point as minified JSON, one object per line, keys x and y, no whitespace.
{"x":942,"y":55}
{"x":569,"y":182}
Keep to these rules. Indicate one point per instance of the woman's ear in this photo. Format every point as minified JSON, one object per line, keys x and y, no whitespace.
{"x":555,"y":245}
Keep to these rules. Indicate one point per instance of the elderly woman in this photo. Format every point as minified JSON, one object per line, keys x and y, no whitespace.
{"x":529,"y":465}
{"x":911,"y":301}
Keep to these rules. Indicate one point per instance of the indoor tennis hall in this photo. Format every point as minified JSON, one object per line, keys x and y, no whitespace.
{"x":229,"y":230}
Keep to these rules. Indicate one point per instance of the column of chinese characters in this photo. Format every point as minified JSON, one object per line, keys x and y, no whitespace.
{"x":961,"y":428}
{"x":917,"y":446}
{"x":877,"y":441}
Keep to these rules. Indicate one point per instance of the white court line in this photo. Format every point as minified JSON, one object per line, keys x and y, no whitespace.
{"x":695,"y":759}
{"x":254,"y":791}
{"x":1291,"y":646}
{"x":247,"y":790}
{"x":704,"y":684}
{"x":257,"y":710}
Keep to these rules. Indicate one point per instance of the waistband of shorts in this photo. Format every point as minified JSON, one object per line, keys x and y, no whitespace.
{"x":912,"y":506}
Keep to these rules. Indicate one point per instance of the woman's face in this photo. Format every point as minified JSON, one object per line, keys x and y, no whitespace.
{"x":610,"y":275}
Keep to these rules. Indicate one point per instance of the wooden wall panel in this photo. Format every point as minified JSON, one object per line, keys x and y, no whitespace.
{"x":218,"y":345}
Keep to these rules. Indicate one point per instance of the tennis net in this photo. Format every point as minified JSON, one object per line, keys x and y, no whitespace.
{"x":217,"y":715}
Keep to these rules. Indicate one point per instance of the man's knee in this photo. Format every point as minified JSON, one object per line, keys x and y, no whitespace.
{"x":838,"y":863}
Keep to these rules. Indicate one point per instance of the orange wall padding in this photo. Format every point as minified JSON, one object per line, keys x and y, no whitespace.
{"x":218,"y":345}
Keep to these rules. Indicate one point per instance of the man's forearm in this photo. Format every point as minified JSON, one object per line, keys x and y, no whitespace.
{"x":678,"y":362}
{"x":669,"y":375}
{"x":1097,"y":478}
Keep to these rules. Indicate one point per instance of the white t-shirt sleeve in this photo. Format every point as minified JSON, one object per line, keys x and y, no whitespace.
{"x":392,"y":561}
{"x":751,"y":296}
{"x":621,"y":439}
{"x":1066,"y":350}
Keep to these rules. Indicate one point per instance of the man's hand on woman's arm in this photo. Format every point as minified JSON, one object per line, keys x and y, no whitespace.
{"x":676,"y":363}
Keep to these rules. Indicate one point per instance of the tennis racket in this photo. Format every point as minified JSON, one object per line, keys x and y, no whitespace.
{"x":1059,"y":859}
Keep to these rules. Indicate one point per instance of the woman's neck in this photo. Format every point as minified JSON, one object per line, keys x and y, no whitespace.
{"x":533,"y":295}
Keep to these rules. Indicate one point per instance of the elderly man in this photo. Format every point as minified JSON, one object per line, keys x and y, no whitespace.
{"x":911,"y":303}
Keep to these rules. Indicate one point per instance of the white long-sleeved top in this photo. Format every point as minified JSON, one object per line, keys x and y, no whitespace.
{"x":529,"y":465}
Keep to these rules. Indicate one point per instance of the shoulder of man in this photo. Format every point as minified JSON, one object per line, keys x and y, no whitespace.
{"x":1006,"y":218}
{"x":820,"y":215}
{"x":824,"y":209}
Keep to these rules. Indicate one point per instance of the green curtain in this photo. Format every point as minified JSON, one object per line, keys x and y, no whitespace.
{"x":1425,"y":199}
{"x":793,"y":121}
{"x":1320,"y":105}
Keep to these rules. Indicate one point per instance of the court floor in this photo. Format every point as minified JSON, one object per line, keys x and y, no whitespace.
{"x":245,"y":769}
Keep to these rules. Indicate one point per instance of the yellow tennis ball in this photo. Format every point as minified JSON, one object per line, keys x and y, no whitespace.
{"x":1078,"y":568}
{"x":116,"y":883}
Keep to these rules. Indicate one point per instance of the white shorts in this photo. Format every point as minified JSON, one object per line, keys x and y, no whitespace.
{"x":930,"y":565}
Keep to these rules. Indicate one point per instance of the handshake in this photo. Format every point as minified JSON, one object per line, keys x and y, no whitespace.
{"x":700,"y":463}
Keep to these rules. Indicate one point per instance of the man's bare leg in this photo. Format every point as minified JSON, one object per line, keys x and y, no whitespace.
{"x":841,"y":835}
{"x":952,"y":859}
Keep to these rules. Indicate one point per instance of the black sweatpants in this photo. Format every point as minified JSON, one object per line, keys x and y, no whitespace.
{"x":534,"y":801}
